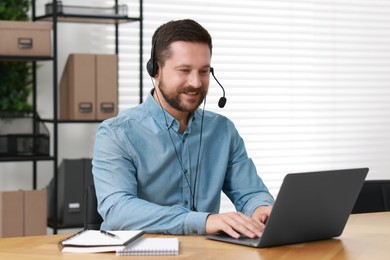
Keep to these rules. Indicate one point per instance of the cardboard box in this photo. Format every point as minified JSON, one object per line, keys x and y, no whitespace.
{"x":89,"y":87}
{"x":25,"y":38}
{"x":78,"y":88}
{"x":106,"y":86}
{"x":35,"y":212}
{"x":11,"y":213}
{"x":23,"y":213}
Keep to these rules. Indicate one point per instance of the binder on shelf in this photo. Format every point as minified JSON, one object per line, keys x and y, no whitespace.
{"x":74,"y":175}
{"x":35,"y":212}
{"x":11,"y":214}
{"x":89,"y":87}
{"x":106,"y":86}
{"x":77,"y":88}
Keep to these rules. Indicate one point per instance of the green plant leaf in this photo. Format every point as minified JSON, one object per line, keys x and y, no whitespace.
{"x":15,"y":76}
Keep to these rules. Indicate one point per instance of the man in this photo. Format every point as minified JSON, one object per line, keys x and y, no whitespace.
{"x":161,"y":166}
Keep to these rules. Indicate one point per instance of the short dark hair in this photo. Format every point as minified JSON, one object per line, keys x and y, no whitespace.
{"x":181,"y":30}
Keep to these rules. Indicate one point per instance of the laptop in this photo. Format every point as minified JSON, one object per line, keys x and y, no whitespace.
{"x":310,"y":206}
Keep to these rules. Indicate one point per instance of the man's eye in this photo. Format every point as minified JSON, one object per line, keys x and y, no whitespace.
{"x":184,"y":70}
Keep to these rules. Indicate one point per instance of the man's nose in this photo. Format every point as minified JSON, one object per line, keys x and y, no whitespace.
{"x":194,"y":79}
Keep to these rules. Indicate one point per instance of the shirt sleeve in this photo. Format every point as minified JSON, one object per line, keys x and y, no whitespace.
{"x":242,"y":184}
{"x":116,"y":189}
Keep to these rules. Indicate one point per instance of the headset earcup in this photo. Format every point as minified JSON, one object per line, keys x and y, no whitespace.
{"x":150,"y":68}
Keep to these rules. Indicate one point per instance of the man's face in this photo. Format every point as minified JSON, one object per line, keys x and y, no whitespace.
{"x":184,"y":79}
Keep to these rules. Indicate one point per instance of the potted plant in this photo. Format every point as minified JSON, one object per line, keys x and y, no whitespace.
{"x":15,"y":76}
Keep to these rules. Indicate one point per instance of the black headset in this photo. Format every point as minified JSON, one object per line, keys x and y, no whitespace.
{"x":152,"y":67}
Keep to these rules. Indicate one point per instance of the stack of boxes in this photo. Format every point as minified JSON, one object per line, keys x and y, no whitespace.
{"x":24,"y":213}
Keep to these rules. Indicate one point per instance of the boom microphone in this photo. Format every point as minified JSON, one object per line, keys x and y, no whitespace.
{"x":222,"y":100}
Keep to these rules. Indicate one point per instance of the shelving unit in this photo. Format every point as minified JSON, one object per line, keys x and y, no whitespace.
{"x":30,"y":158}
{"x":56,"y":18}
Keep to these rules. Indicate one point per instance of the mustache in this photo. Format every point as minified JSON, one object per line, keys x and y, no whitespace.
{"x":191,"y":89}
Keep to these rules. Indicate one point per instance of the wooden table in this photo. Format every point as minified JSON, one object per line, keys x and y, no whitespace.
{"x":366,"y":236}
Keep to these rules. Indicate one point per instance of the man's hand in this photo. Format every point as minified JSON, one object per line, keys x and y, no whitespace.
{"x":261,"y":214}
{"x":236,"y":224}
{"x":233,"y":224}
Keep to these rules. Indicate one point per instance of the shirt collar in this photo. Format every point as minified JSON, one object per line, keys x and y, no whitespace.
{"x":164,"y":119}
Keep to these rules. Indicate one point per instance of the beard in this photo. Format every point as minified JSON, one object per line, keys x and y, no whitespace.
{"x":177,"y":102}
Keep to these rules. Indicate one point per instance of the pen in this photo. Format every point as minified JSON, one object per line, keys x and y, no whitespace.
{"x":108,"y":234}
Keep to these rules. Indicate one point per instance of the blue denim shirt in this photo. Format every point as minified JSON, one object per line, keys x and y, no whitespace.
{"x":141,"y":185}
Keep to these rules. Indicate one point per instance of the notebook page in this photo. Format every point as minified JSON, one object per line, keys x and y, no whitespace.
{"x":152,"y":246}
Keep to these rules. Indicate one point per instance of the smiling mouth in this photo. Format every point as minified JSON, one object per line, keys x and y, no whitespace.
{"x":192,"y":93}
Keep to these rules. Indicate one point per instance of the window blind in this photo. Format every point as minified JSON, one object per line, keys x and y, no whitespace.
{"x":307,"y":82}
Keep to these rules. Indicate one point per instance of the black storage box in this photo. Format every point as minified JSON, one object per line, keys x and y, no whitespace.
{"x":18,"y":138}
{"x":74,"y":175}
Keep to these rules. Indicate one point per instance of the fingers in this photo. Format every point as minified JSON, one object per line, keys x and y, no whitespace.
{"x":237,"y":223}
{"x":234,"y":224}
{"x":261,"y":214}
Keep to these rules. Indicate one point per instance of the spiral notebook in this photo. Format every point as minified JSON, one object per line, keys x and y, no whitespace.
{"x":96,"y":241}
{"x":151,"y":246}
